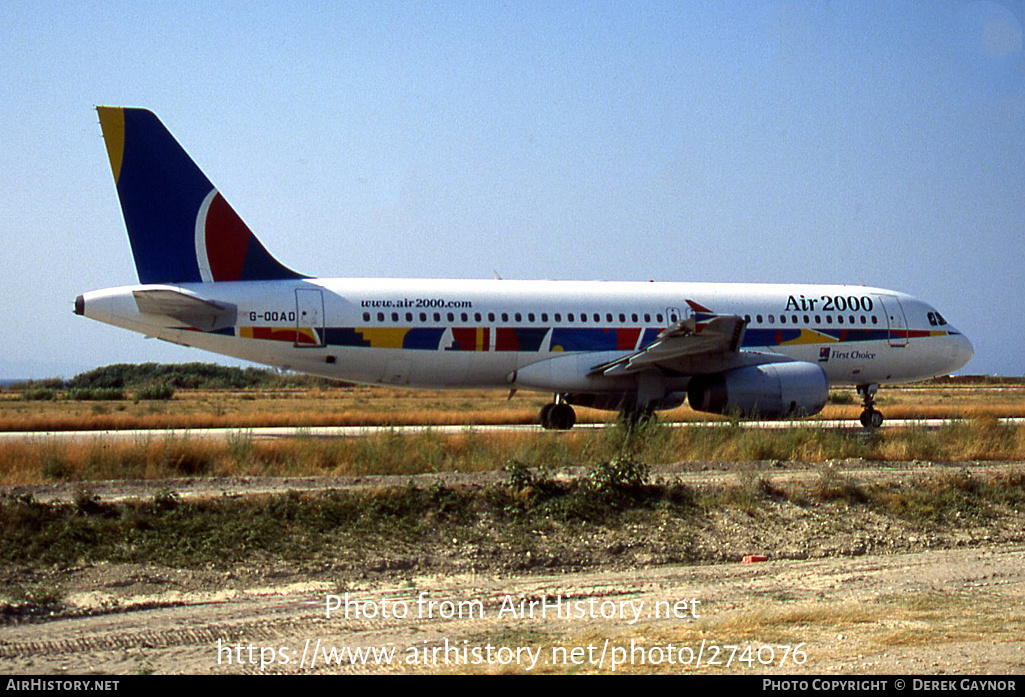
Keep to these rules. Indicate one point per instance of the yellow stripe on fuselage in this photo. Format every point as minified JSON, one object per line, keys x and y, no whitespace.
{"x":810,"y":336}
{"x":384,"y":337}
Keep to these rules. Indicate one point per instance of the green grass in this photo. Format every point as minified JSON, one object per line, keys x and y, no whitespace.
{"x":530,"y":516}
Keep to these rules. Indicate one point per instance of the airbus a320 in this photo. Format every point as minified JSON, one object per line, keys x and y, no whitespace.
{"x":768,"y":351}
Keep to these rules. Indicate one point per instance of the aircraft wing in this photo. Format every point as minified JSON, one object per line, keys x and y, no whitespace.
{"x":188,"y":309}
{"x":691,"y":346}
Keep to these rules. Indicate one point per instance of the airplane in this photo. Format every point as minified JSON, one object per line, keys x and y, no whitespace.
{"x":768,"y":351}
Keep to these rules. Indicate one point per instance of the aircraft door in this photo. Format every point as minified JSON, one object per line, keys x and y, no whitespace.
{"x":895,"y":320}
{"x":309,"y":318}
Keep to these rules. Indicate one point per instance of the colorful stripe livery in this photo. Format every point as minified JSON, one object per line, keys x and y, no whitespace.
{"x":517,"y":339}
{"x":470,"y":339}
{"x":416,"y":338}
{"x":531,"y":339}
{"x":180,"y":228}
{"x":576,"y":339}
{"x":304,"y":336}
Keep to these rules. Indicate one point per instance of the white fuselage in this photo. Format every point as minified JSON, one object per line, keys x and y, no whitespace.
{"x":479,"y":333}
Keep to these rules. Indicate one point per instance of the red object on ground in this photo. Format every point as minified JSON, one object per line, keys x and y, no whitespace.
{"x":752,"y":558}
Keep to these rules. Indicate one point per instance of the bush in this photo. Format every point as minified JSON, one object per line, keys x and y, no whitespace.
{"x":39,"y":394}
{"x":155,"y":392}
{"x":618,"y":475}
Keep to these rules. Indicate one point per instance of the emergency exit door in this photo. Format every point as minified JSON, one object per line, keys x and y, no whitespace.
{"x":309,"y":318}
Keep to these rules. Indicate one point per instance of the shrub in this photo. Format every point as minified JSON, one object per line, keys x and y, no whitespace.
{"x":162,"y":391}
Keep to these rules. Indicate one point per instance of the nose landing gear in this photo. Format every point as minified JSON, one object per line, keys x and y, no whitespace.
{"x":870,"y":417}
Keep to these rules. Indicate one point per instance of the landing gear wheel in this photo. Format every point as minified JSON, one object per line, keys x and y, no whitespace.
{"x":546,"y":416}
{"x":558,"y":417}
{"x":870,"y":417}
{"x":563,"y":417}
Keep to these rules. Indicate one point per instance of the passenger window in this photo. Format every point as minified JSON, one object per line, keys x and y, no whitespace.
{"x":839,"y":319}
{"x":818,"y":319}
{"x":530,"y":317}
{"x":366,"y":316}
{"x":829,"y":319}
{"x":794,"y":317}
{"x":569,"y":317}
{"x":519,"y":317}
{"x":423,"y":316}
{"x":380,"y":316}
{"x":558,"y":316}
{"x":782,"y":319}
{"x":476,"y":317}
{"x":544,"y":317}
{"x":608,"y":316}
{"x":505,"y":316}
{"x":409,"y":316}
{"x":772,"y":319}
{"x":747,"y":318}
{"x":647,"y":318}
{"x":633,"y":317}
{"x":875,"y":320}
{"x":863,"y":321}
{"x":622,"y":318}
{"x":806,"y":319}
{"x":437,"y":316}
{"x":464,"y":317}
{"x":658,"y":318}
{"x":451,"y":317}
{"x":759,"y":319}
{"x":491,"y":316}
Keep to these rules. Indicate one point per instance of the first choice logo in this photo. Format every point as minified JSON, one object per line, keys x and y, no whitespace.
{"x":830,"y":303}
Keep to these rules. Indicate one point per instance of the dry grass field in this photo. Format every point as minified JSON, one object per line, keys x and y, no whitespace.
{"x":355,"y":406}
{"x":979,"y":437}
{"x":34,"y":461}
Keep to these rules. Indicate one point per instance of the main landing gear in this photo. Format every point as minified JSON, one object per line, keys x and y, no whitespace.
{"x":558,"y":416}
{"x":870,"y":417}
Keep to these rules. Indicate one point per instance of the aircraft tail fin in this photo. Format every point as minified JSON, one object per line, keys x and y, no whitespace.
{"x":180,"y":227}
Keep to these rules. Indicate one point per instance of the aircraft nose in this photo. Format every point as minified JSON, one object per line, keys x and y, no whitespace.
{"x":961,"y":351}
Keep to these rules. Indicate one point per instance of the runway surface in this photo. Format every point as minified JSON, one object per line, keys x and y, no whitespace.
{"x":363,"y":431}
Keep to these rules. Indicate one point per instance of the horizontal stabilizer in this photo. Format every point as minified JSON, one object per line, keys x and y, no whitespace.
{"x":190,"y":310}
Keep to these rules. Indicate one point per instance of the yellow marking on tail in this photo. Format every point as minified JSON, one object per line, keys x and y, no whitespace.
{"x":112,"y":123}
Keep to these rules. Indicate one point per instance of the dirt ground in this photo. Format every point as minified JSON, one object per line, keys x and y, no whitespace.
{"x":838,"y":596}
{"x":929,"y":612}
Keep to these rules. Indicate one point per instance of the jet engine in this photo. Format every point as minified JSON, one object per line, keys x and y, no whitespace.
{"x":771,"y":391}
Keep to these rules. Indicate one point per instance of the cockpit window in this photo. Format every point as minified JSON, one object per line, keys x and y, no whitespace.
{"x":932,"y":319}
{"x":939,"y":317}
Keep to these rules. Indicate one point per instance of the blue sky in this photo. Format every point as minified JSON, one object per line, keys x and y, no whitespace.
{"x":855,"y":142}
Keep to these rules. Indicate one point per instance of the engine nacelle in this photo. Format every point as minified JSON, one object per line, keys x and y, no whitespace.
{"x":570,"y":372}
{"x":772,"y":391}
